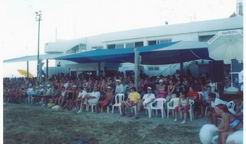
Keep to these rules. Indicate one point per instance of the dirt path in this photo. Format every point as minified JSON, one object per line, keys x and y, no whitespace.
{"x":25,"y":124}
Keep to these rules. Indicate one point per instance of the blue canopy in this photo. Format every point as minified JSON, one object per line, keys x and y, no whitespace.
{"x":183,"y":51}
{"x":167,"y":53}
{"x":118,"y":55}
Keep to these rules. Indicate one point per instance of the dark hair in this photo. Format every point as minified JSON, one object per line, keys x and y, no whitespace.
{"x":223,"y":107}
{"x":133,"y":88}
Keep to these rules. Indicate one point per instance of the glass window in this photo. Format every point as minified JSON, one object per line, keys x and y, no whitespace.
{"x":130,"y":45}
{"x":119,"y":45}
{"x":138,"y":44}
{"x":205,"y":38}
{"x":164,"y":41}
{"x":152,"y":42}
{"x":111,"y":46}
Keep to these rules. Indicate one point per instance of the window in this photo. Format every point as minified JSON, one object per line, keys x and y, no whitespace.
{"x":97,"y":47}
{"x":152,"y":42}
{"x":130,"y":45}
{"x":164,"y":41}
{"x":153,"y":68}
{"x":205,"y":38}
{"x":111,"y":46}
{"x":119,"y":45}
{"x":138,"y":44}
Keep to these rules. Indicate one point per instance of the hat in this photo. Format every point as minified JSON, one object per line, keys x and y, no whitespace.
{"x":74,"y":86}
{"x":219,"y":101}
{"x":161,"y":80}
{"x":149,"y":88}
{"x":109,"y":87}
{"x":118,"y":80}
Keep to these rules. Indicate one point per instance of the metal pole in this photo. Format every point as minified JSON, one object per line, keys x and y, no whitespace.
{"x":136,"y":68}
{"x":38,"y":18}
{"x":27,"y":69}
{"x":47,"y":69}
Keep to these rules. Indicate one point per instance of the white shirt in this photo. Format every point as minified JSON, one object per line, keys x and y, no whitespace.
{"x":119,"y":89}
{"x":82,"y":93}
{"x":148,"y":97}
{"x":30,"y":91}
{"x":94,"y":100}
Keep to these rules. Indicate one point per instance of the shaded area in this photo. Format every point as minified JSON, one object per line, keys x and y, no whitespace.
{"x":30,"y":124}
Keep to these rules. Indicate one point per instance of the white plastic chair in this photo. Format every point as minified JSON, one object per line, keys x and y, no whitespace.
{"x":159,"y":106}
{"x":118,"y":99}
{"x":191,"y":113}
{"x":230,"y":106}
{"x":171,"y":105}
{"x":93,"y":106}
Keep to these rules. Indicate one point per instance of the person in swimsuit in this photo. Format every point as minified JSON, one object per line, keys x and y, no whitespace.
{"x":228,"y":124}
{"x":161,"y":90}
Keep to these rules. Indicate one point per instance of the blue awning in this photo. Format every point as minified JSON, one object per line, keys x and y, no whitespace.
{"x":119,"y":55}
{"x":183,"y":51}
{"x":167,"y":53}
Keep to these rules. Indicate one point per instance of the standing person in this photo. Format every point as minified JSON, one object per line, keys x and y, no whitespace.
{"x":183,"y":107}
{"x":131,"y":101}
{"x":30,"y":93}
{"x":161,"y":90}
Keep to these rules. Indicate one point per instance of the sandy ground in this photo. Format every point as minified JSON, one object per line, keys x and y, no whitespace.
{"x":24,"y":124}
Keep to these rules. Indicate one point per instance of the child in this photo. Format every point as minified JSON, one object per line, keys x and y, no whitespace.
{"x":183,"y":107}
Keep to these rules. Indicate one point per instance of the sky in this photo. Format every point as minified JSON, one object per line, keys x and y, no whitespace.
{"x":70,"y":19}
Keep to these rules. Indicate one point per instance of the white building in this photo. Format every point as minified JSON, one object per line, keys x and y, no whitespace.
{"x":194,"y":31}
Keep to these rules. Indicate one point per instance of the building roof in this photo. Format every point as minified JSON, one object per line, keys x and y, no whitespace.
{"x":165,"y":30}
{"x":33,"y":58}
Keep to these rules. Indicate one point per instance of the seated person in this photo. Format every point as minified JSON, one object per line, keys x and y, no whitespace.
{"x":228,"y":124}
{"x":93,"y":97}
{"x":183,"y":107}
{"x":212,"y":116}
{"x":81,"y":98}
{"x":106,"y":99}
{"x":131,"y":101}
{"x":148,"y":98}
{"x":192,"y":94}
{"x":238,"y":109}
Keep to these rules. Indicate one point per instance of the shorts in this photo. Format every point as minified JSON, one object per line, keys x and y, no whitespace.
{"x":185,"y":109}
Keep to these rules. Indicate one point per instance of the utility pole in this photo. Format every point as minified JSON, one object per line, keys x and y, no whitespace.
{"x":38,"y":18}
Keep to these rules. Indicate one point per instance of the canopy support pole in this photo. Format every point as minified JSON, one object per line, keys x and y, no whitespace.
{"x":98,"y":68}
{"x":27,"y":69}
{"x":136,"y":68}
{"x":47,"y":69}
{"x":181,"y":68}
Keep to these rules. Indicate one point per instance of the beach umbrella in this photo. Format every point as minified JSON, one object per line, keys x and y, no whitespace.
{"x":24,"y":73}
{"x":226,"y":45}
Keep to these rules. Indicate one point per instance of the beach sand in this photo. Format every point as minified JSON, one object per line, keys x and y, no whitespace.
{"x":24,"y":124}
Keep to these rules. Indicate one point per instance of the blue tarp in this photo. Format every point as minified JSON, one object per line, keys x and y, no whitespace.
{"x":167,"y":53}
{"x":118,"y":55}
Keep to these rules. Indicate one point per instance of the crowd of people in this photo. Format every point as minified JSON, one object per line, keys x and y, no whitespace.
{"x":76,"y":93}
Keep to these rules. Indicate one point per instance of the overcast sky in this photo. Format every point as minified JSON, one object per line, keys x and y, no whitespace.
{"x":69,"y":19}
